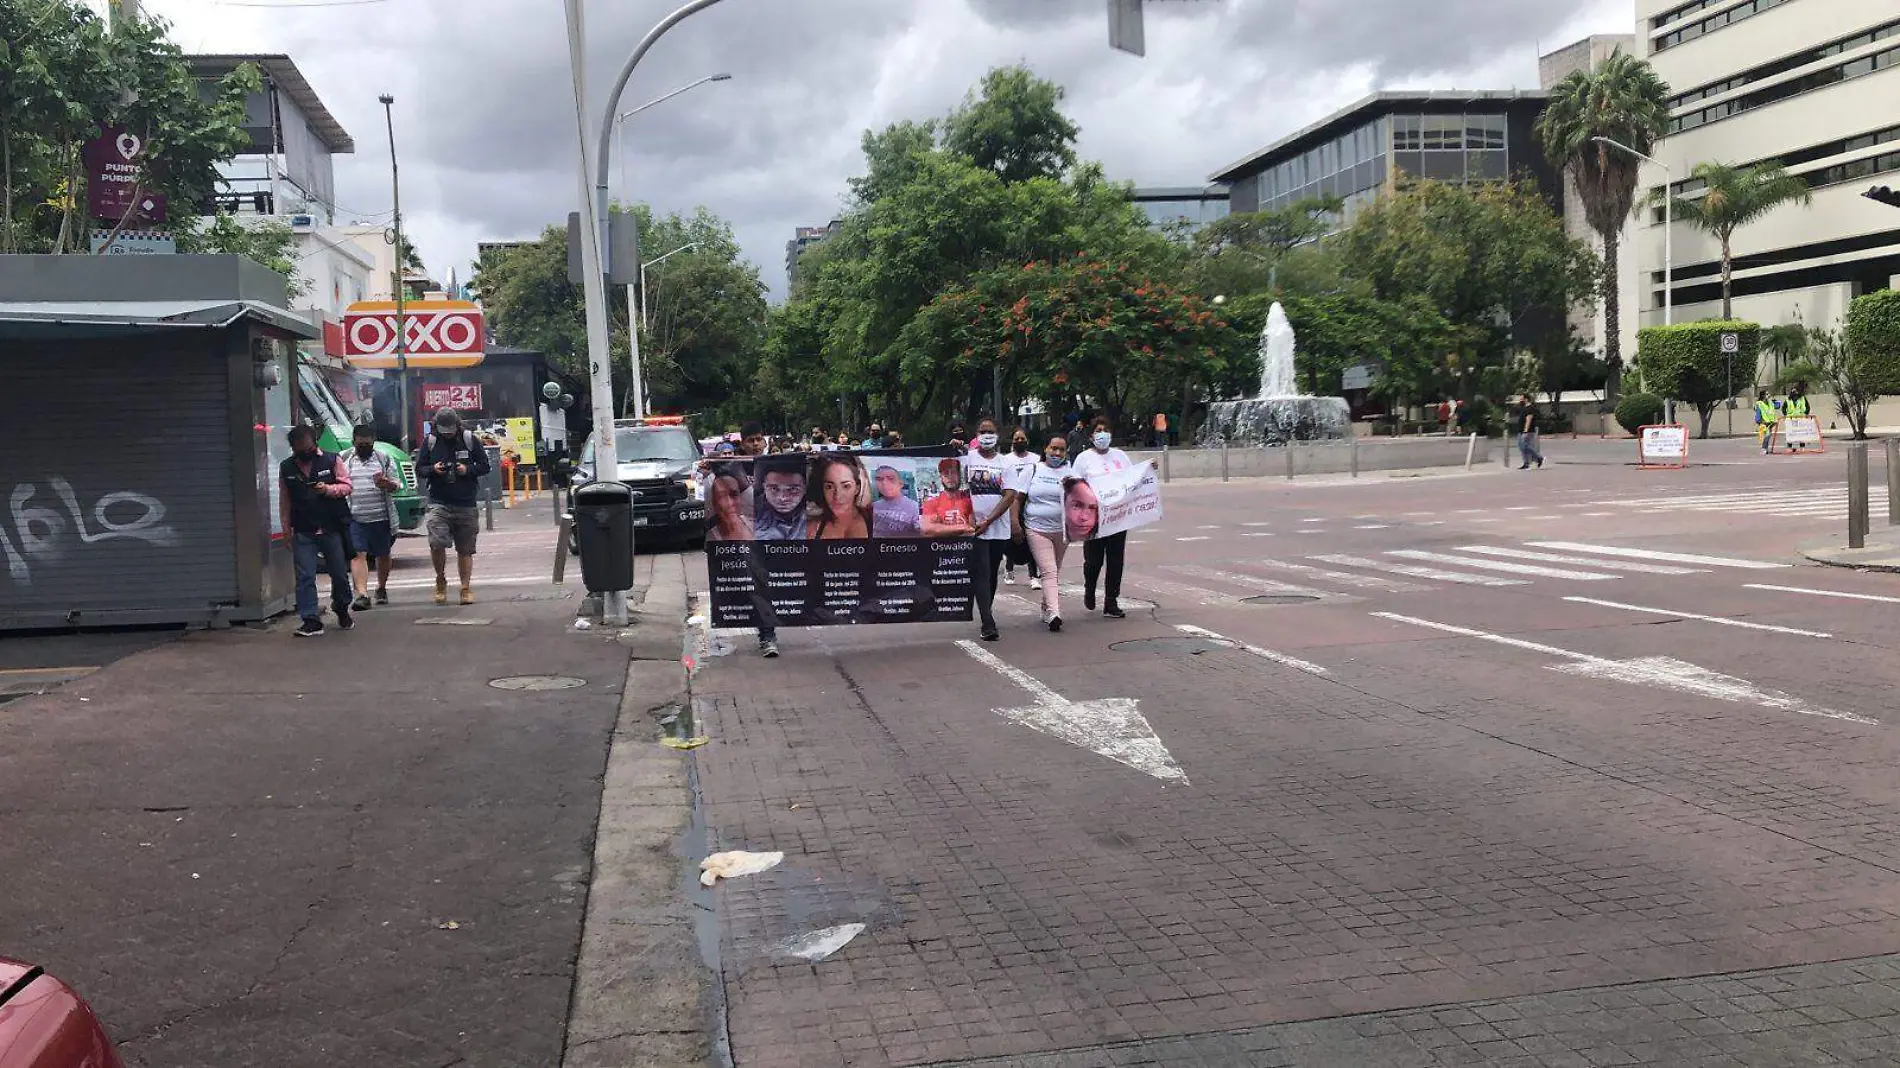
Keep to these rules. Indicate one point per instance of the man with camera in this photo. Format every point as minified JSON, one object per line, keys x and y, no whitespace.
{"x":451,"y":462}
{"x":315,"y":512}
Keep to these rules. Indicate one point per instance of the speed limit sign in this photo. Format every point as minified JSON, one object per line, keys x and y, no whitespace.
{"x":1731,"y":344}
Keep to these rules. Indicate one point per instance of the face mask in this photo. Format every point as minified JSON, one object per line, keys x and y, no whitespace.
{"x":1020,"y":447}
{"x":1101,"y":439}
{"x":987,"y":440}
{"x":365,"y":450}
{"x":1056,"y":459}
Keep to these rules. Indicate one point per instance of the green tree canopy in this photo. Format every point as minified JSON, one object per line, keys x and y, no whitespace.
{"x":1013,"y":126}
{"x":1686,"y":361}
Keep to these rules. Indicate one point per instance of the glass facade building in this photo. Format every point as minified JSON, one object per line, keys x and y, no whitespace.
{"x":1194,"y":205}
{"x":1360,"y":153}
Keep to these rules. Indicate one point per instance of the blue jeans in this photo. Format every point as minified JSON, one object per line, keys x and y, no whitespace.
{"x":304,"y":549}
{"x":1527,"y":448}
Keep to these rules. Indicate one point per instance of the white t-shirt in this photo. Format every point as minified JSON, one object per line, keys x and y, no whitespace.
{"x":1091,"y":463}
{"x":986,"y":477}
{"x":368,"y":502}
{"x":1041,"y":486}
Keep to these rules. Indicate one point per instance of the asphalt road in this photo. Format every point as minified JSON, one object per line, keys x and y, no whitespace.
{"x":1574,"y":766}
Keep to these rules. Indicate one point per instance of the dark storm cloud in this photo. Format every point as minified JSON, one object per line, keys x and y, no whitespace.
{"x":486,"y":128}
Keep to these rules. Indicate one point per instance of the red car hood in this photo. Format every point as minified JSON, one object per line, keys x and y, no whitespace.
{"x":45,"y":1024}
{"x":11,"y":972}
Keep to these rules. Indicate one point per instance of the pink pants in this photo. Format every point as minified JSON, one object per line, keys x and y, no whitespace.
{"x":1048,"y":550}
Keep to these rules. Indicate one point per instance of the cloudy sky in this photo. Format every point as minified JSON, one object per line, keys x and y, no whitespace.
{"x":487,"y":132}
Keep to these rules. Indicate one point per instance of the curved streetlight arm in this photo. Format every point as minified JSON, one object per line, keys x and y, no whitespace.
{"x":605,"y":140}
{"x":675,"y":252}
{"x":625,"y":115}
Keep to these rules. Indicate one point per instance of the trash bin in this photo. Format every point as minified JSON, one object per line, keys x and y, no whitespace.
{"x":603,"y":531}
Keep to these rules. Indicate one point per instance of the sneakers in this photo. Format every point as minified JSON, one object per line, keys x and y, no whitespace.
{"x":1114,"y":611}
{"x":441,"y":591}
{"x":362,"y":601}
{"x":312,"y":628}
{"x":1035,"y":583}
{"x":990,"y":635}
{"x":382,"y":595}
{"x":1009,"y":576}
{"x":1088,"y":600}
{"x":768,"y":650}
{"x":1055,"y":624}
{"x":344,"y":620}
{"x":1525,"y":466}
{"x":468,"y":595}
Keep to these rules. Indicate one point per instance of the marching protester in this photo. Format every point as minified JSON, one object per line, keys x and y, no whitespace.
{"x":765,"y":503}
{"x":989,"y":474}
{"x":1767,"y":414}
{"x":1103,"y":458}
{"x":451,"y":461}
{"x":312,"y":508}
{"x":373,"y":479}
{"x":1043,"y":491}
{"x":1021,"y":461}
{"x":1796,"y":406}
{"x":1528,"y":424}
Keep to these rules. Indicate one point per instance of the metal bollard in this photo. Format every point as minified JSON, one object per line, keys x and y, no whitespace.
{"x":1223,"y":461}
{"x":489,"y":522}
{"x":1166,"y":475}
{"x":1353,"y":444}
{"x":1857,"y":495}
{"x":564,"y":526}
{"x":1893,"y":482}
{"x":1471,"y":449}
{"x":1289,"y":460}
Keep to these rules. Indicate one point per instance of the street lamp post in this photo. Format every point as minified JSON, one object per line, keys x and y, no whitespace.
{"x":663,"y":98}
{"x":645,"y":318}
{"x":402,"y":338}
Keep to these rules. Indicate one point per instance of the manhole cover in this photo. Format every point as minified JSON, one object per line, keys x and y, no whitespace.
{"x":453,"y":621}
{"x":1281,"y":598}
{"x":1173,"y":646}
{"x":537,"y":682}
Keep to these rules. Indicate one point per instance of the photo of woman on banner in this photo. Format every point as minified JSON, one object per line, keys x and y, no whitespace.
{"x":780,"y":495}
{"x":729,"y":503}
{"x":1081,"y":510}
{"x":840,"y":496}
{"x":948,"y":514}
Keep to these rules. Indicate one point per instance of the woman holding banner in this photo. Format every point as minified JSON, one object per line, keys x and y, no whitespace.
{"x":841,"y":495}
{"x":1100,"y":459}
{"x":1045,"y":490}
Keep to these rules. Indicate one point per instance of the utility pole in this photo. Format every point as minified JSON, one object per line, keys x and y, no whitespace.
{"x":122,"y":12}
{"x":402,"y":329}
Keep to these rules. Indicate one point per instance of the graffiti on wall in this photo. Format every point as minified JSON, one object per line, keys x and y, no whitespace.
{"x":44,"y":524}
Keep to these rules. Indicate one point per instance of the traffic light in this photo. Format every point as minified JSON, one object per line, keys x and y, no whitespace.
{"x":1884,"y":194}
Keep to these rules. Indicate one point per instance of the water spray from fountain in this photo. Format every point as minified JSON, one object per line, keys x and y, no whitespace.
{"x":1279,"y":414}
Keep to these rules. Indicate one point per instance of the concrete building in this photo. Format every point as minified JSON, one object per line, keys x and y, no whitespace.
{"x":1588,"y":319}
{"x":1359,"y":152}
{"x":1195,"y":205}
{"x":288,"y":169}
{"x":1812,"y":84}
{"x":802,"y":240}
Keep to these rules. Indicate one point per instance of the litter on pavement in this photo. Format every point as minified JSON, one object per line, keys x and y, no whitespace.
{"x":734,"y":863}
{"x":818,"y":945}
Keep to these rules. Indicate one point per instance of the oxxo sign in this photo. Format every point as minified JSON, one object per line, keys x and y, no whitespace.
{"x":438,"y":333}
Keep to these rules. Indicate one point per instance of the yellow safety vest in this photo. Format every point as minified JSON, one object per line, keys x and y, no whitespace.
{"x":1797,"y":406}
{"x":1765,"y":413}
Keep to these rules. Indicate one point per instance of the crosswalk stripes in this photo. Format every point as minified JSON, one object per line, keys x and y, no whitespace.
{"x":1249,"y":582}
{"x":1415,"y":571}
{"x":1658,"y":555}
{"x":1561,"y":558}
{"x":1343,"y":578}
{"x":1533,"y":570}
{"x":1807,"y":502}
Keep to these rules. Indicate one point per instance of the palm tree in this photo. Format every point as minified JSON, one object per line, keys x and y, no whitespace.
{"x":1733,"y":197}
{"x":1622,"y":100}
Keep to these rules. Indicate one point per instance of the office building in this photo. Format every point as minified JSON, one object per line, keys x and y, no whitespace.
{"x":1194,"y":205}
{"x":1587,"y":320}
{"x":1812,"y":84}
{"x":1359,"y":153}
{"x":802,"y":241}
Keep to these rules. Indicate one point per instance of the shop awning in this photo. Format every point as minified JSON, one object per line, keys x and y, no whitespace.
{"x":50,"y":320}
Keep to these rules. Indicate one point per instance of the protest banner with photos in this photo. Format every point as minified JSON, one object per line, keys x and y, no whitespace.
{"x":1113,"y":502}
{"x":835,"y":538}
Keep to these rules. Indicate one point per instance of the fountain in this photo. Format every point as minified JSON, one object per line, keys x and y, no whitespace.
{"x":1279,"y":415}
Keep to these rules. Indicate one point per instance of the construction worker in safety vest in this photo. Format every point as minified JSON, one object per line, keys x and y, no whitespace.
{"x":1796,"y":405}
{"x":1767,"y":414}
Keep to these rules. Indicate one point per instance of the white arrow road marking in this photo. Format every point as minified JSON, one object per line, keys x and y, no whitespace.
{"x":1657,"y":555}
{"x":1265,"y":654}
{"x":1112,"y":726}
{"x":1662,"y":672}
{"x":1796,"y":631}
{"x":1822,"y":593}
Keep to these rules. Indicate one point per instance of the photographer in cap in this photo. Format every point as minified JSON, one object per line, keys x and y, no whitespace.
{"x":450,"y":462}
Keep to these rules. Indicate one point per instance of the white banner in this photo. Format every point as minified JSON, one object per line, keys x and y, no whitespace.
{"x":1801,"y":430}
{"x":1114,"y":502}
